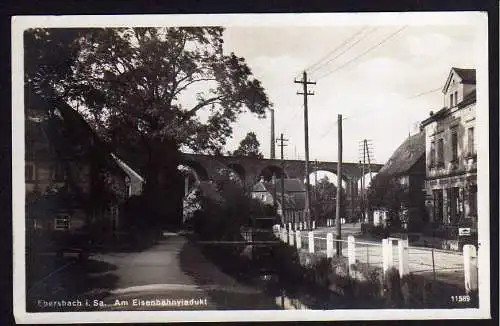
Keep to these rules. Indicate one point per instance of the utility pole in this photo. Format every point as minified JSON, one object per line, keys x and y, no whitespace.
{"x":339,"y":187}
{"x":306,"y":93}
{"x":366,"y":157}
{"x":282,"y":140}
{"x":363,"y":163}
{"x":273,"y":153}
{"x":315,"y":179}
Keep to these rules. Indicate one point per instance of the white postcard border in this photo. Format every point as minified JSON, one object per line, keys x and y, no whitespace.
{"x":21,"y":23}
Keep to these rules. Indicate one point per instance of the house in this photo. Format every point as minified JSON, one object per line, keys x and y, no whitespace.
{"x":134,"y":180}
{"x":406,"y":167}
{"x":292,"y":210}
{"x":72,"y":178}
{"x":451,"y":164}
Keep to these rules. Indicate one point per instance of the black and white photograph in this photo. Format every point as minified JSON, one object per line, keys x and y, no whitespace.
{"x":251,"y":167}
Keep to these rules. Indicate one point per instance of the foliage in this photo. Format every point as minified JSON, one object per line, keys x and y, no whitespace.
{"x":223,"y":213}
{"x":249,"y":146}
{"x":323,"y":202}
{"x":386,"y":192}
{"x":143,"y":91}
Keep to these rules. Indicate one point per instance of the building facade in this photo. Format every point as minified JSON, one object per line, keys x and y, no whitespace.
{"x":451,"y":157}
{"x":405,"y":170}
{"x":292,"y":210}
{"x":72,"y":180}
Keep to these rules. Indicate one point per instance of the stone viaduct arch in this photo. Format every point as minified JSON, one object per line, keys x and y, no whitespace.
{"x":249,"y":169}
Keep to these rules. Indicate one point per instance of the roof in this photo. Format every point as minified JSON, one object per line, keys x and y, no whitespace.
{"x":468,"y":76}
{"x":291,"y":185}
{"x":294,"y":192}
{"x":468,"y":99}
{"x":405,"y":156}
{"x":67,"y":130}
{"x":127,"y":168}
{"x":293,"y":202}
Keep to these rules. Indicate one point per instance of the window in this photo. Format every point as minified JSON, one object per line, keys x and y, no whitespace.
{"x":454,"y":145}
{"x":473,"y":200}
{"x":61,"y":222}
{"x":432,"y":154}
{"x":438,"y":205}
{"x":454,"y":205}
{"x":440,"y":153}
{"x":451,"y":100}
{"x":29,"y":172}
{"x":456,"y":98}
{"x":58,"y":172}
{"x":470,"y":141}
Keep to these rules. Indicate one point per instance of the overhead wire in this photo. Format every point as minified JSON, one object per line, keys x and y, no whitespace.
{"x":313,"y":66}
{"x":345,"y":50}
{"x":387,"y":38}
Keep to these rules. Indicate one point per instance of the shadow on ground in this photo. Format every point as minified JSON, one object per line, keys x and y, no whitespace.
{"x":75,"y":280}
{"x":225,"y":295}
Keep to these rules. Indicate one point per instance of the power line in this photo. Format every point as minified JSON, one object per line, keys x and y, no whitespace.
{"x":347,"y":49}
{"x":363,"y":53}
{"x":346,"y":41}
{"x":425,"y":93}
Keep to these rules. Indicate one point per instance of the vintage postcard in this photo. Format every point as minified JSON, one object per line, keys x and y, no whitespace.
{"x":250,"y":167}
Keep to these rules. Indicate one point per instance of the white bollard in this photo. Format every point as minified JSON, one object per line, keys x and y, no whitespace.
{"x":295,"y":226}
{"x":288,"y":237}
{"x":283,"y":235}
{"x":386,"y":254}
{"x":470,"y":269}
{"x":313,"y":225}
{"x":298,"y":240}
{"x":289,"y":227}
{"x":301,"y":226}
{"x":329,"y":245}
{"x":310,"y":238}
{"x":292,"y":238}
{"x":404,"y":267}
{"x":351,"y":250}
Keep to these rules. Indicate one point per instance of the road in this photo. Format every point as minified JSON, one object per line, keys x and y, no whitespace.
{"x":173,"y":274}
{"x":446,"y":266}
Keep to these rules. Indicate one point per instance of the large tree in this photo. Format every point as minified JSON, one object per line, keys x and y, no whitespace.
{"x":249,"y":146}
{"x":149,"y":92}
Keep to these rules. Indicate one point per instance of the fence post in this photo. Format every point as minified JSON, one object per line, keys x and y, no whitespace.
{"x":310,"y":237}
{"x":292,"y":238}
{"x":329,"y":245}
{"x":289,"y":226}
{"x":470,"y":269}
{"x":298,"y":239}
{"x":288,"y":237}
{"x":313,"y":225}
{"x":386,"y":255}
{"x":351,"y":250}
{"x":403,"y":251}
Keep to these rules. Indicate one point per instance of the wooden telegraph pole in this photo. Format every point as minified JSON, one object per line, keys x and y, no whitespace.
{"x":339,"y":187}
{"x":273,"y":154}
{"x":306,"y":93}
{"x":282,"y":140}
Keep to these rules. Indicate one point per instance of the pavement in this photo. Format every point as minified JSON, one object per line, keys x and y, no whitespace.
{"x":172,"y":274}
{"x":444,"y":265}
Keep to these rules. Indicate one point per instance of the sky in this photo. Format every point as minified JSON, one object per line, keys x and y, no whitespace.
{"x":375,"y":93}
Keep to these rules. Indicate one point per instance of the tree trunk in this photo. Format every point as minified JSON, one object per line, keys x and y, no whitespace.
{"x":164,"y":186}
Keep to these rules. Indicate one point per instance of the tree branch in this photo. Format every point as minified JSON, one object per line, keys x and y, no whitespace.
{"x":198,"y":106}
